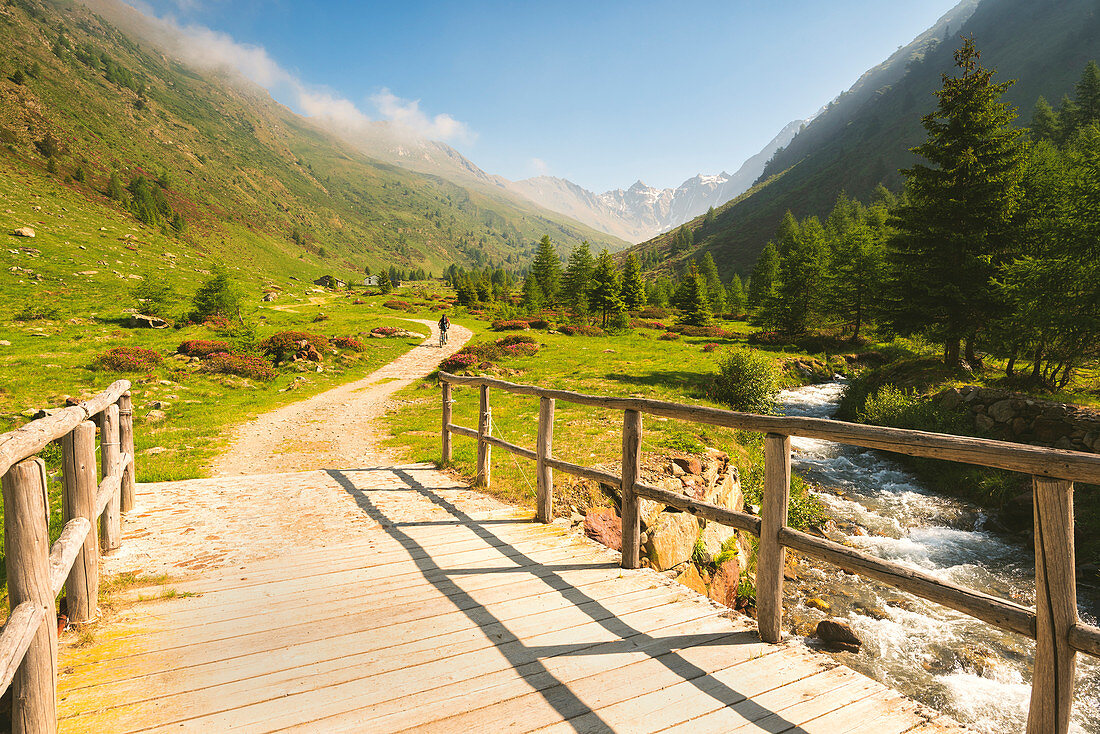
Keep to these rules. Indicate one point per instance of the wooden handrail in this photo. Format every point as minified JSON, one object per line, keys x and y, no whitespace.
{"x":37,"y":572}
{"x":1054,"y":625}
{"x":1057,"y":463}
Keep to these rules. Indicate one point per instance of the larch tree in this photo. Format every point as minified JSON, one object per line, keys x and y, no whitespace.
{"x":633,"y":291}
{"x":716,"y":292}
{"x":735,"y":295}
{"x":764,"y":273}
{"x":577,"y":281}
{"x":956,"y":226}
{"x":546,"y":270}
{"x":691,"y":298}
{"x":606,"y":288}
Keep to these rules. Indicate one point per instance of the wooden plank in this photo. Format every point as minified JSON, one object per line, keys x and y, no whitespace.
{"x":79,"y":473}
{"x":998,"y":612}
{"x":110,"y":451}
{"x":65,"y":550}
{"x":462,"y":430}
{"x":632,"y":470}
{"x":26,"y":556}
{"x":126,"y":442}
{"x":1055,"y":609}
{"x":585,"y":472}
{"x":707,"y":511}
{"x":1037,"y":460}
{"x":511,"y":447}
{"x":824,"y":700}
{"x":18,"y":634}
{"x":771,"y":556}
{"x":447,"y":452}
{"x":544,"y":474}
{"x":32,"y":437}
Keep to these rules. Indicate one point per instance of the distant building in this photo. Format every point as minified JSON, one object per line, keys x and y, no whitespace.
{"x":328,"y":281}
{"x":371,"y":280}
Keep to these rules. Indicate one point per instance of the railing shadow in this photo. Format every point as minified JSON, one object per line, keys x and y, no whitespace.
{"x":527,"y":660}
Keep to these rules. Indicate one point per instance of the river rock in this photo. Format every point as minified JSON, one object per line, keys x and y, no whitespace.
{"x":723,"y":586}
{"x":837,"y":634}
{"x":23,"y":232}
{"x":818,"y":603}
{"x":603,"y":525}
{"x":690,"y":578}
{"x":672,"y":540}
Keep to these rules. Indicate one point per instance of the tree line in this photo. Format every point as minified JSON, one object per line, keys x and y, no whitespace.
{"x":993,"y":246}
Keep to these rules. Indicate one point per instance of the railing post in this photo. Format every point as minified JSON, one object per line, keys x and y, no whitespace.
{"x":447,"y":452}
{"x":484,"y":450}
{"x":544,"y":448}
{"x":110,"y":537}
{"x":27,"y":552}
{"x":126,"y":442}
{"x":1055,"y":608}
{"x":771,"y":554}
{"x":78,"y":462}
{"x":632,"y":469}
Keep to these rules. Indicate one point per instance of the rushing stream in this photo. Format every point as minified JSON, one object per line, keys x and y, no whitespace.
{"x":964,"y":667}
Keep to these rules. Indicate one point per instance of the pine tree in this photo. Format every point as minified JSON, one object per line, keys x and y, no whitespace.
{"x":716,"y":292}
{"x":115,"y":190}
{"x":735,"y":296}
{"x":856,"y":271}
{"x":633,"y":292}
{"x":764,"y":273}
{"x":533,"y":300}
{"x":217,"y":296}
{"x":800,"y":288}
{"x":691,"y":298}
{"x":1044,"y":121}
{"x":604,"y":296}
{"x":547,"y":271}
{"x":577,"y":281}
{"x":957,"y":225}
{"x":1088,"y":96}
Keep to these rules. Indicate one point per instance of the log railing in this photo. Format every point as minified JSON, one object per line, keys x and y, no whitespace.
{"x":1053,"y":624}
{"x":37,"y":571}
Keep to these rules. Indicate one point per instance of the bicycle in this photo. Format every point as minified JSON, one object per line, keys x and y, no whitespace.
{"x":442,"y":337}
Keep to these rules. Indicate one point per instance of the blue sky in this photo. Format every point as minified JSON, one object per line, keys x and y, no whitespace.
{"x":602,"y":93}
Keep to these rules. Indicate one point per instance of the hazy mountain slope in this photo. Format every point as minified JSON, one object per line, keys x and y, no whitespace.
{"x":228,"y":154}
{"x":641,"y":211}
{"x":863,"y":138}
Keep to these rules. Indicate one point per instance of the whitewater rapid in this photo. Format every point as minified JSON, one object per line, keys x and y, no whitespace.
{"x":964,"y":667}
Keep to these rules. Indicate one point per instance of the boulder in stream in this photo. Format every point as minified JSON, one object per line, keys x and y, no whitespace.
{"x":837,"y":634}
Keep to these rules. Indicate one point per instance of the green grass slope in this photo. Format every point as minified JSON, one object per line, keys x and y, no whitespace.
{"x":232,"y":160}
{"x":863,"y":139}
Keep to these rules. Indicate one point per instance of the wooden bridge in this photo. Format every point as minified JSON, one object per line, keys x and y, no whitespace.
{"x":451,"y":612}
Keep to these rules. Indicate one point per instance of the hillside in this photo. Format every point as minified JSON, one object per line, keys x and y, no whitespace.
{"x":863,"y":138}
{"x":227,"y":157}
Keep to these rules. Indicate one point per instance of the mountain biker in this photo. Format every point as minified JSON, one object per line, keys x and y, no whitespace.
{"x":444,"y":324}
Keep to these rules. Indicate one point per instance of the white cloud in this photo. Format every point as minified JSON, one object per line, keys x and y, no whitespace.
{"x":205,"y":48}
{"x":407,"y":114}
{"x":540,"y":166}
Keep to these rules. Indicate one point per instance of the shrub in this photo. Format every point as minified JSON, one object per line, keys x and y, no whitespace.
{"x":516,"y":339}
{"x":348,"y":342}
{"x":768,"y":338}
{"x":714,"y":332}
{"x":637,"y":324}
{"x":710,"y":347}
{"x":668,"y":336}
{"x":523,"y":349}
{"x":242,"y":365}
{"x":385,"y":330}
{"x":285,"y":343}
{"x":510,"y":325}
{"x":129,"y":359}
{"x":459,"y":362}
{"x":538,"y":323}
{"x":582,"y":330}
{"x":320,"y":317}
{"x":398,"y":305}
{"x":202,"y":347}
{"x":654,"y":312}
{"x":36,"y":312}
{"x":746,"y":381}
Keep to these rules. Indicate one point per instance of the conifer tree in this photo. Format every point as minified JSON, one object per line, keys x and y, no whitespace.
{"x":957,"y":224}
{"x":577,"y":281}
{"x":691,"y":298}
{"x":633,"y":292}
{"x":604,"y":296}
{"x":546,"y":270}
{"x":1044,"y":121}
{"x":716,"y":292}
{"x":115,"y":189}
{"x":533,"y":299}
{"x":764,"y":273}
{"x":735,"y":296}
{"x":1088,"y":96}
{"x":800,"y":288}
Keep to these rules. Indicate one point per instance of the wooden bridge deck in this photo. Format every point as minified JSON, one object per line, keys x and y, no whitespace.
{"x":445,"y":615}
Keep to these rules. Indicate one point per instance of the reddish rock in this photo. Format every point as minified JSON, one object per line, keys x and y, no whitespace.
{"x":690,"y":465}
{"x":603,"y":525}
{"x":723,"y":587}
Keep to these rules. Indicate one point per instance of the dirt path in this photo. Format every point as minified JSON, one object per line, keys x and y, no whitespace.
{"x":335,"y":429}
